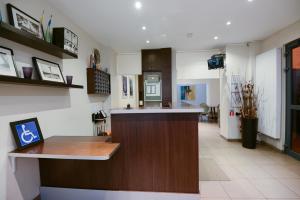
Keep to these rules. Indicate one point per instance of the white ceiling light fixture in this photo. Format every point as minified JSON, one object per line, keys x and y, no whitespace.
{"x":228,"y":23}
{"x":144,"y":28}
{"x":250,"y":0}
{"x":147,"y":41}
{"x":216,"y":38}
{"x":138,"y":5}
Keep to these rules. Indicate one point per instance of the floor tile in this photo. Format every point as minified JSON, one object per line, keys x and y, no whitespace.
{"x":292,"y":184}
{"x":253,"y":171}
{"x":272,"y":188}
{"x":212,"y":189}
{"x":241,"y":189}
{"x":279,"y":171}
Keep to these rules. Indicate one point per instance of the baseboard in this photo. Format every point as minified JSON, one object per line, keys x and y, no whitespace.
{"x":271,"y":147}
{"x":231,"y":140}
{"x":234,"y":140}
{"x":50,"y":193}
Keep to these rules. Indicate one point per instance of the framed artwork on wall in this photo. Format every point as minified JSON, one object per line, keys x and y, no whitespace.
{"x":26,"y":133}
{"x":7,"y":64}
{"x":188,"y":93}
{"x":0,"y":17}
{"x":131,"y":87}
{"x":124,"y":87}
{"x":23,"y":21}
{"x":47,"y":70}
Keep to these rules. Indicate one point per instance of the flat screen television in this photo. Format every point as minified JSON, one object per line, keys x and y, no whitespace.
{"x":216,"y":62}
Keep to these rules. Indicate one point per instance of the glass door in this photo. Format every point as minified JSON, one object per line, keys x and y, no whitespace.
{"x":293,"y":98}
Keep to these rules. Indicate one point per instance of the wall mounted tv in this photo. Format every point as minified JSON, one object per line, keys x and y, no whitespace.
{"x":216,"y":62}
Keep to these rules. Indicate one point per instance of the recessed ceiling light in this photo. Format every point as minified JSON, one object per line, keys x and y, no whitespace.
{"x":228,"y":23}
{"x":138,"y":5}
{"x":250,"y":0}
{"x":216,"y":38}
{"x":144,"y":28}
{"x":147,"y":41}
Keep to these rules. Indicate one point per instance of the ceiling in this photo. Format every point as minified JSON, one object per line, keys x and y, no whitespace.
{"x":118,"y":24}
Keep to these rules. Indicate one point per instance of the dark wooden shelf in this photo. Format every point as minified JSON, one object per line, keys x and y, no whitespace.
{"x":22,"y":81}
{"x":11,"y":33}
{"x":98,"y":82}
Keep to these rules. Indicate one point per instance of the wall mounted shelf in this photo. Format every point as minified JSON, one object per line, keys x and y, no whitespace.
{"x":22,"y":81}
{"x":98,"y":82}
{"x":11,"y":33}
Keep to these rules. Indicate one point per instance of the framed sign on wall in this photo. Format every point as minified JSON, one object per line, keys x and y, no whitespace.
{"x":27,"y":133}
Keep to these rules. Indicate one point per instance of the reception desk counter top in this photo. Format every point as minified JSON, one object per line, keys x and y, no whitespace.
{"x":76,"y":148}
{"x":177,"y":109}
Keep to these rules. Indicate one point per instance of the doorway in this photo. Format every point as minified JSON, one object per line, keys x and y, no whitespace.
{"x":293,"y":99}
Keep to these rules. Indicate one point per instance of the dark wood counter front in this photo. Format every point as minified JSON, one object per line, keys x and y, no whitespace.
{"x":158,"y":152}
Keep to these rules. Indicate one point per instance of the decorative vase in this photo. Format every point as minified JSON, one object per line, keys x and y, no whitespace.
{"x":249,"y":132}
{"x":69,"y":80}
{"x":27,"y":72}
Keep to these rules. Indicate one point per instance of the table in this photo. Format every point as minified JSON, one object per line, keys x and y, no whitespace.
{"x":68,"y":148}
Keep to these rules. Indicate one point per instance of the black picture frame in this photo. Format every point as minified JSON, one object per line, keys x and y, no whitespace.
{"x":16,"y":137}
{"x":12,"y":19}
{"x":37,"y":66}
{"x":15,"y":72}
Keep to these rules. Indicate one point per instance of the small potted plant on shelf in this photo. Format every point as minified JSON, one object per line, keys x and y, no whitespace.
{"x":249,"y":120}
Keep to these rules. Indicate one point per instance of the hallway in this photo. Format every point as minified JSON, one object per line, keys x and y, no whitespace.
{"x":263,"y":173}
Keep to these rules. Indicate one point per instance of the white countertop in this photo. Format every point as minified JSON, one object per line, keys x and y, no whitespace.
{"x":157,"y":110}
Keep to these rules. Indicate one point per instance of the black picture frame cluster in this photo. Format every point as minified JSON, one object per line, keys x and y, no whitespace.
{"x":40,"y":65}
{"x":62,"y":37}
{"x":21,"y":20}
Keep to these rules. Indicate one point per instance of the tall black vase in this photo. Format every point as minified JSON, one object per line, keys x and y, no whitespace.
{"x":249,"y":132}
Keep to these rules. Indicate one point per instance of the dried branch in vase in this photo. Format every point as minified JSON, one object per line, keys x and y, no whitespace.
{"x":249,"y":101}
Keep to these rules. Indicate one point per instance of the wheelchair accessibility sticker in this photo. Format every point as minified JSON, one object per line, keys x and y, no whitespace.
{"x":27,"y":133}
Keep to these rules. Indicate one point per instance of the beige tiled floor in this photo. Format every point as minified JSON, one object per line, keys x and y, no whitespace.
{"x":254,"y":174}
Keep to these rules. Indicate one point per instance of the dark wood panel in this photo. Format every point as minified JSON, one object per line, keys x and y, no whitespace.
{"x":158,"y":152}
{"x":141,"y":87}
{"x":158,"y":60}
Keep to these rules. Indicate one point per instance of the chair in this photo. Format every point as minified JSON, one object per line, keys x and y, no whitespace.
{"x":205,"y":112}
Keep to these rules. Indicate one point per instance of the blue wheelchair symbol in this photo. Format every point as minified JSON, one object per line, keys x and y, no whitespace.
{"x":27,"y":133}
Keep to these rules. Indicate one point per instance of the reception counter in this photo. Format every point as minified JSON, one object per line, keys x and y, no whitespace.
{"x":158,"y":152}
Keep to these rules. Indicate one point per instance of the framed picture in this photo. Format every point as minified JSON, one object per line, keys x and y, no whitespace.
{"x":124,"y":87}
{"x":131,"y":87}
{"x":48,"y":71}
{"x":0,"y":17}
{"x":7,"y":64}
{"x":23,"y":21}
{"x":27,"y":133}
{"x":188,"y":93}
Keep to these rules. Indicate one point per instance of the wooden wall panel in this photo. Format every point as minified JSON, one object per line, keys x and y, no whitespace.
{"x":158,"y":152}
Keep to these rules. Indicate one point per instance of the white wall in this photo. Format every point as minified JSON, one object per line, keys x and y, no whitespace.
{"x":129,"y":63}
{"x":213,"y":93}
{"x":60,"y":111}
{"x":240,"y":60}
{"x":193,"y":65}
{"x":278,"y":40}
